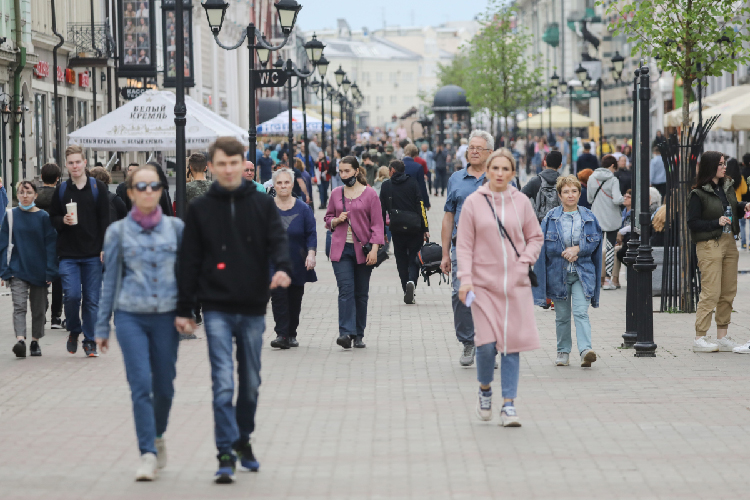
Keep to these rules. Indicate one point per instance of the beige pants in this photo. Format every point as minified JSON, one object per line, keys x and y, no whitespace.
{"x":717,"y":260}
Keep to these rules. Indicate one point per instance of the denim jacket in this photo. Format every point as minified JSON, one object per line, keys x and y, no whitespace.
{"x":148,"y":283}
{"x":552,"y":269}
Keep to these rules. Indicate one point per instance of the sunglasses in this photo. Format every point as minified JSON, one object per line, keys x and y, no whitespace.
{"x":143,"y":186}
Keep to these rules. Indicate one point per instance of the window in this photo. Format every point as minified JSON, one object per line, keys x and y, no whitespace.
{"x":365,"y":76}
{"x":40,"y":128}
{"x":70,"y":117}
{"x":407,"y":100}
{"x":394,"y":99}
{"x":393,"y":77}
{"x":83,"y":114}
{"x":379,"y":100}
{"x":408,"y":77}
{"x":378,"y":77}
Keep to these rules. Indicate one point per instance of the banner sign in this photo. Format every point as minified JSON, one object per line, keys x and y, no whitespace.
{"x":269,"y":78}
{"x":137,"y":32}
{"x":170,"y":45}
{"x":130,"y":93}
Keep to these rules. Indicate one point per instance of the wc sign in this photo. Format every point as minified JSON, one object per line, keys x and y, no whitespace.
{"x":269,"y":78}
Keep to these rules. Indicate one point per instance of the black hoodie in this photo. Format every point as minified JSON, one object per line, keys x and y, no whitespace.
{"x":401,"y":192}
{"x":229,"y":239}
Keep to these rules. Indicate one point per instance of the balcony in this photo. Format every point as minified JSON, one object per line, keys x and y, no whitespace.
{"x":92,"y":48}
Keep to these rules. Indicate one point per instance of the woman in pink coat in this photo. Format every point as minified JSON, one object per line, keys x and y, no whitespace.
{"x":495,"y":279}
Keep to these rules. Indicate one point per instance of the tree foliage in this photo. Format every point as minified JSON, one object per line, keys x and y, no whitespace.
{"x":693,"y":38}
{"x":500,"y":76}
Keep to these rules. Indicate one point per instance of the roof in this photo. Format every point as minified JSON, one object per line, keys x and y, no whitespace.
{"x":372,"y":48}
{"x":450,"y":98}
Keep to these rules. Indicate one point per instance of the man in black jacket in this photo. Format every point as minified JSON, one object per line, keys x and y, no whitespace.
{"x":80,"y":237}
{"x":400,"y":197}
{"x":586,"y":159}
{"x":415,"y":170}
{"x":231,"y":234}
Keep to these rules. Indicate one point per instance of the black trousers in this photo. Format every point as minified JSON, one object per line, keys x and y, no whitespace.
{"x":57,"y":293}
{"x":286,"y":304}
{"x":405,"y":249}
{"x":441,"y":180}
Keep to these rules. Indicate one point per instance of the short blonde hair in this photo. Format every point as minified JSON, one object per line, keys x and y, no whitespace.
{"x":73,"y":149}
{"x":382,"y":174}
{"x":411,"y":150}
{"x":502,"y":153}
{"x":567,"y":180}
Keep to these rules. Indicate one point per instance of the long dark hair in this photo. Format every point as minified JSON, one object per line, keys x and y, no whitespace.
{"x":707,"y":168}
{"x":733,"y":171}
{"x":352,"y":160}
{"x":161,"y":174}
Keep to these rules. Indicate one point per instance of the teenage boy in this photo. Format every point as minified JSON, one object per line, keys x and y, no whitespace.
{"x":80,"y":236}
{"x":50,"y":177}
{"x":231,"y":236}
{"x":199,"y":185}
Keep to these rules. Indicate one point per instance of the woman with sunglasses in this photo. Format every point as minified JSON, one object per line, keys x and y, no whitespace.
{"x":139,"y":286}
{"x":713,"y":218}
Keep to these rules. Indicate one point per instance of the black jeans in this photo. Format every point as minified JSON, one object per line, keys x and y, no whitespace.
{"x":57,"y":295}
{"x":286,"y":304}
{"x":441,"y":180}
{"x":405,"y":249}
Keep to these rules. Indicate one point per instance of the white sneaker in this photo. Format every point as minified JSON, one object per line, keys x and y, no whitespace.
{"x":509,"y":417}
{"x":608,"y":286}
{"x":726,"y":344}
{"x":147,"y":470}
{"x":743,"y":349}
{"x":161,"y":453}
{"x":703,"y":345}
{"x":484,"y":406}
{"x":467,"y":355}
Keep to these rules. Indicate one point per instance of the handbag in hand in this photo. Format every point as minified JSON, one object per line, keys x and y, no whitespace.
{"x":366,"y":247}
{"x":504,"y":234}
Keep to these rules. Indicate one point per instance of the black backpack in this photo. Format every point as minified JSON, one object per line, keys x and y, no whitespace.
{"x":429,"y":258}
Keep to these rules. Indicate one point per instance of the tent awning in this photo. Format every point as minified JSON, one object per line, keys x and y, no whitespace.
{"x":560,"y":119}
{"x":279,"y":125}
{"x":147,"y":124}
{"x":735,"y":114}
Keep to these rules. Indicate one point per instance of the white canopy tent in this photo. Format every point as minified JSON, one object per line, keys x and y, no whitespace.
{"x":561,"y":118}
{"x":147,"y":124}
{"x":674,"y":117}
{"x":734,"y":115}
{"x":279,"y":124}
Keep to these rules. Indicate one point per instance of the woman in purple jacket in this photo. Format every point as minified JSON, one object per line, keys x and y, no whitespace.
{"x":354,"y":216}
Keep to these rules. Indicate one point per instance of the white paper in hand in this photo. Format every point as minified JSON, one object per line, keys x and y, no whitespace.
{"x":470,"y":298}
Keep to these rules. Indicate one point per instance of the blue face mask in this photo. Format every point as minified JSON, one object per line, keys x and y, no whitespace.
{"x":27,"y":207}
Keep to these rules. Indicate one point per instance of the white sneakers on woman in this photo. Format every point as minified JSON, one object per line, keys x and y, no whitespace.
{"x":743,"y":349}
{"x":147,"y":470}
{"x":702,"y":344}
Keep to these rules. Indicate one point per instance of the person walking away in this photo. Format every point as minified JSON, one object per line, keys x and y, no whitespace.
{"x":657,"y":173}
{"x":140,"y":288}
{"x":354,"y":216}
{"x":383,"y":175}
{"x":50,"y":178}
{"x":605,"y":197}
{"x":429,"y":158}
{"x":541,"y":188}
{"x":568,"y":270}
{"x":199,"y":186}
{"x":370,"y":167}
{"x":416,"y":171}
{"x":80,"y":214}
{"x":740,"y":190}
{"x":117,"y":210}
{"x":498,"y":224}
{"x":299,"y":222}
{"x":400,"y":200}
{"x":623,"y":174}
{"x":232,"y":235}
{"x":583,"y":178}
{"x":28,"y":263}
{"x":586,"y":159}
{"x":713,"y":218}
{"x":441,"y":171}
{"x":460,"y":185}
{"x":122,"y":189}
{"x":324,"y":167}
{"x":265,"y":164}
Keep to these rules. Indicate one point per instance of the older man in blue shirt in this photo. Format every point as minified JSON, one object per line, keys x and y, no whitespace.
{"x":460,"y":185}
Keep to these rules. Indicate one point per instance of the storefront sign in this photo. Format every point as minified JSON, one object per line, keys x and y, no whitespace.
{"x":60,"y":74}
{"x":84,"y":80}
{"x":131,"y":93}
{"x":137,"y":22}
{"x":70,"y":76}
{"x":170,"y":45}
{"x":41,"y":69}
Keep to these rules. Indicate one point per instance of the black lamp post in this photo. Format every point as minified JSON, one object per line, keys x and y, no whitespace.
{"x":18,"y":118}
{"x":554,"y":85}
{"x":287,"y":11}
{"x":319,"y":88}
{"x":6,"y":114}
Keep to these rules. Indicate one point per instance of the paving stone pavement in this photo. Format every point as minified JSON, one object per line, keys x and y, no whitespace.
{"x":395,"y":420}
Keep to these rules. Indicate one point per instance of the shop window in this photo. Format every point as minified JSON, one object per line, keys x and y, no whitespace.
{"x":40,"y":128}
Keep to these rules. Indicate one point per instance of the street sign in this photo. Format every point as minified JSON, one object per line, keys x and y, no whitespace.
{"x":269,"y":78}
{"x":131,"y":93}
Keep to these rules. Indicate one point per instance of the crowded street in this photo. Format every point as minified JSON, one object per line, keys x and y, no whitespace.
{"x":396,"y":420}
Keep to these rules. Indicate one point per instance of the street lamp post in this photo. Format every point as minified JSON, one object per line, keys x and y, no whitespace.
{"x":287,"y":11}
{"x":5,"y":114}
{"x":555,"y":83}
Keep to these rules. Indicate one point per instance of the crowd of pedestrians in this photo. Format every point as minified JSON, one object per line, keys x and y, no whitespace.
{"x":121,"y":260}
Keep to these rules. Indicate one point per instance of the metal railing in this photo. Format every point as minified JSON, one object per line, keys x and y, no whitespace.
{"x":80,"y":35}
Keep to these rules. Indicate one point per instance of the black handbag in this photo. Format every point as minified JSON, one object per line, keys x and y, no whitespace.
{"x":403,"y":221}
{"x":503,"y":233}
{"x":366,"y":247}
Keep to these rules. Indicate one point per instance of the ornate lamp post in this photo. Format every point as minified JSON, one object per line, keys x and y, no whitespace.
{"x":554,"y":85}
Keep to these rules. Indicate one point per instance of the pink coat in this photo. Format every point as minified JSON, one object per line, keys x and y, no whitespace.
{"x":503,"y":310}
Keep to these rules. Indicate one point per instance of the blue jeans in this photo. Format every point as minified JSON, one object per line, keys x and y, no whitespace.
{"x":462,"y":319}
{"x":580,"y":314}
{"x":510,"y":366}
{"x":149,"y":347}
{"x":234,"y":426}
{"x":323,"y":189}
{"x":743,"y":231}
{"x":81,"y":279}
{"x":354,"y":289}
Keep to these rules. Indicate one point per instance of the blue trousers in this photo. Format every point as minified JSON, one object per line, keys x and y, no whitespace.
{"x":233,"y":425}
{"x":323,"y":189}
{"x":149,"y":345}
{"x":580,"y":307}
{"x":354,"y":291}
{"x":81,"y":279}
{"x":510,"y":366}
{"x":462,"y":319}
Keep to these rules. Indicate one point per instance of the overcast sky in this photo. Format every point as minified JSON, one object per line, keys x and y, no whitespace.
{"x":319,"y":14}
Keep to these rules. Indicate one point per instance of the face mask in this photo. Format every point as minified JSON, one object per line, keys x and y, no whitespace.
{"x":351,"y":181}
{"x":27,"y":207}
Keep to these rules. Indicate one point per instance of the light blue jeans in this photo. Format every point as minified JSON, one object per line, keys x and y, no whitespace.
{"x":462,"y":319}
{"x":743,"y":231}
{"x":580,"y":314}
{"x":510,"y":366}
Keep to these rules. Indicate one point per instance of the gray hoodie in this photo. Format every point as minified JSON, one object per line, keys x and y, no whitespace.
{"x":606,"y":206}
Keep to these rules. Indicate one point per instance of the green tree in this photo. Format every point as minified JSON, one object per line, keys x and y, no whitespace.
{"x":500,"y":77}
{"x":693,"y":38}
{"x":455,"y":72}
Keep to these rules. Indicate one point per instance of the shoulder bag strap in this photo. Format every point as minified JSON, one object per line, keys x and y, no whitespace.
{"x":9,"y":214}
{"x":601,"y":185}
{"x":501,"y":227}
